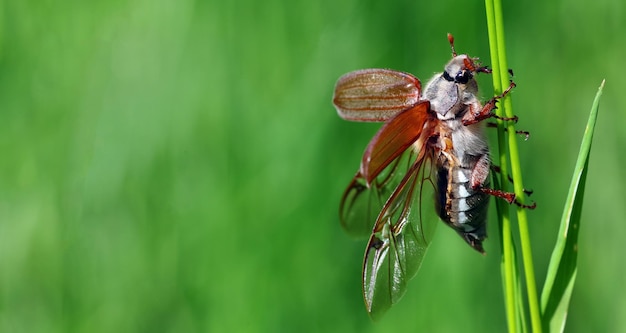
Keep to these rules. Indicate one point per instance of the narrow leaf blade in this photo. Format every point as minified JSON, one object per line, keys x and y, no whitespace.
{"x":562,"y":270}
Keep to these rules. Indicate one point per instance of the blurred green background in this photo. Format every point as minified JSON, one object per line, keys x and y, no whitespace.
{"x":176,"y":166}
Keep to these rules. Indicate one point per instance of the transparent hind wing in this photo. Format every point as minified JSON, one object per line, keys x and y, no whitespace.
{"x":361,"y":203}
{"x":399,"y":240}
{"x":384,"y":201}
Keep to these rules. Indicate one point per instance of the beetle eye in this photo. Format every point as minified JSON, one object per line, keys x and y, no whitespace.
{"x":463,"y":77}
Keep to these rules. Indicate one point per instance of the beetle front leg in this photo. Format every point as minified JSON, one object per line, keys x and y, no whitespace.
{"x":474,"y":116}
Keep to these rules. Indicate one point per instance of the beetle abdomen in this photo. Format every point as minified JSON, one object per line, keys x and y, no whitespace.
{"x":459,"y":205}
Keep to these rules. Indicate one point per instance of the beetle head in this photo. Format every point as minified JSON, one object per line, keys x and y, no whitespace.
{"x":461,"y":69}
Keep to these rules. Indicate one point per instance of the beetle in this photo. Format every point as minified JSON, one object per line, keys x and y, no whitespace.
{"x":432,"y":143}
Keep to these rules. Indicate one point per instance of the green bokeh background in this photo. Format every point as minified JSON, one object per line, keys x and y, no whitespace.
{"x":176,"y":166}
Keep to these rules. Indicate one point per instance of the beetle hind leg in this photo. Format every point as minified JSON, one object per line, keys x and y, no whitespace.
{"x":496,"y":169}
{"x":510,"y":197}
{"x":479,"y":177}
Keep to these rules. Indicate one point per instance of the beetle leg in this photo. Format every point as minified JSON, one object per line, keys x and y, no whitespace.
{"x":474,"y":116}
{"x":479,"y":176}
{"x":496,"y":169}
{"x":508,"y":196}
{"x":480,"y":172}
{"x":526,"y":134}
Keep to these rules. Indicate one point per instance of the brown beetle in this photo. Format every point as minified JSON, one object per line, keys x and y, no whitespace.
{"x":432,"y":136}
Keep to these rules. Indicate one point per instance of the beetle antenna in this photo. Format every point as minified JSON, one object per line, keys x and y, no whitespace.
{"x":451,"y":40}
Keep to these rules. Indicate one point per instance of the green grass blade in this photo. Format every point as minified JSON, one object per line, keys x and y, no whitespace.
{"x":511,"y":275}
{"x":514,"y":304}
{"x":562,"y":270}
{"x":508,"y":268}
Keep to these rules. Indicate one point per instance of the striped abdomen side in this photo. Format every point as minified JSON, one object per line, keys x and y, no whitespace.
{"x":459,"y":205}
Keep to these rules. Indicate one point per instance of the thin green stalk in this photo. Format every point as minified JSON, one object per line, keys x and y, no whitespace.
{"x":507,"y":266}
{"x":516,"y":172}
{"x":499,"y":63}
